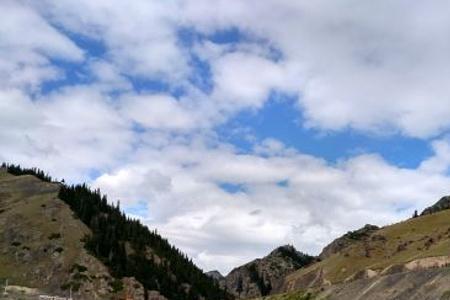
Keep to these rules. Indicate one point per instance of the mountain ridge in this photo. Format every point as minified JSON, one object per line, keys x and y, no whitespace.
{"x":262,"y":276}
{"x":125,"y":250}
{"x":442,"y":204}
{"x":81,"y":242}
{"x":405,"y":260}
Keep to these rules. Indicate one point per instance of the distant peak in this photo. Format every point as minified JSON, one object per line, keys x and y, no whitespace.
{"x":282,"y":249}
{"x":215,"y":275}
{"x":442,"y":204}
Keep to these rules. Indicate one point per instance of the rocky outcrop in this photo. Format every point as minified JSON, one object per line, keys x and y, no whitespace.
{"x":346,"y":240}
{"x":155,"y":295}
{"x":215,"y":275}
{"x":133,"y":289}
{"x":442,"y":204}
{"x":264,"y":276}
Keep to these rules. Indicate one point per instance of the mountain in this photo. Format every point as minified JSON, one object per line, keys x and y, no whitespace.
{"x":407,"y":260}
{"x":442,"y":204}
{"x":55,"y":238}
{"x":215,"y":275}
{"x":343,"y":242}
{"x":262,"y":276}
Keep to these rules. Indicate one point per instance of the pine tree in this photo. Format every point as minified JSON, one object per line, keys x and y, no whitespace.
{"x":239,"y":286}
{"x":112,"y":231}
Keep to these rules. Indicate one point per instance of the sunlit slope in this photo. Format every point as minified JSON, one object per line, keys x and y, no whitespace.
{"x":40,"y":241}
{"x":56,"y":238}
{"x":383,"y":251}
{"x":35,"y":228}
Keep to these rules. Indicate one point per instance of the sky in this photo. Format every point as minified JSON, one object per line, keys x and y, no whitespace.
{"x":234,"y":127}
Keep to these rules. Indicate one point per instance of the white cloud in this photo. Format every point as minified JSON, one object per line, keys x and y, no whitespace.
{"x":141,"y":38}
{"x":245,"y":80}
{"x":26,"y":44}
{"x":108,"y":77}
{"x":157,"y":111}
{"x":17,"y":111}
{"x":195,"y":213}
{"x":355,"y":64}
{"x":68,"y":133}
{"x":440,"y":163}
{"x":22,"y":27}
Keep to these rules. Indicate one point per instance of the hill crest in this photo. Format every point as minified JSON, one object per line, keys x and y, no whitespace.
{"x":79,"y":223}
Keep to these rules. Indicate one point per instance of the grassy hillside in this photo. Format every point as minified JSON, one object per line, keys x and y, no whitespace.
{"x":297,"y":295}
{"x":56,"y":224}
{"x":29,"y":211}
{"x":381,"y":251}
{"x":40,"y":238}
{"x":394,"y":262}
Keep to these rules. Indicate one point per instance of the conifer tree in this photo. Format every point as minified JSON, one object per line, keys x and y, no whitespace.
{"x":153,"y":261}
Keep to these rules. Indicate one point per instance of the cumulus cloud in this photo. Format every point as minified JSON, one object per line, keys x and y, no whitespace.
{"x":187,"y":203}
{"x":157,"y":111}
{"x":245,"y":80}
{"x":18,"y":20}
{"x":60,"y":134}
{"x":141,"y":39}
{"x":108,"y":77}
{"x":352,"y":65}
{"x":357,"y":65}
{"x":27,"y":43}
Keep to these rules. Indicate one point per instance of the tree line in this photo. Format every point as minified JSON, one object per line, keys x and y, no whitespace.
{"x":128,"y":248}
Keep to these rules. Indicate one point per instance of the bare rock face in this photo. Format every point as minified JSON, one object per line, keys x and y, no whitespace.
{"x":133,"y":288}
{"x":263,"y":276}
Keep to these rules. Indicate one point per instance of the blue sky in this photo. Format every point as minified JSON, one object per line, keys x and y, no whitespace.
{"x":233,"y":127}
{"x":280,"y":117}
{"x":281,"y":120}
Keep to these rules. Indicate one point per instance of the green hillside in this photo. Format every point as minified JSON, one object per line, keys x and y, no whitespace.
{"x":407,"y":259}
{"x":425,"y":236}
{"x":125,"y":246}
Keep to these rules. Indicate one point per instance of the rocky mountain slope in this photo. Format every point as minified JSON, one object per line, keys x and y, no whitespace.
{"x":261,"y":276}
{"x":407,"y":260}
{"x":215,"y":275}
{"x":40,"y":242}
{"x":55,"y":238}
{"x":47,"y":246}
{"x":347,"y":239}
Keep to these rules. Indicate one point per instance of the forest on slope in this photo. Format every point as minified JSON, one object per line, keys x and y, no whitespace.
{"x":129,"y":248}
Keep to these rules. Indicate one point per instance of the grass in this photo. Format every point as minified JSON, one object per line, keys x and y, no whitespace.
{"x":297,"y":295}
{"x":425,"y":236}
{"x":28,"y":206}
